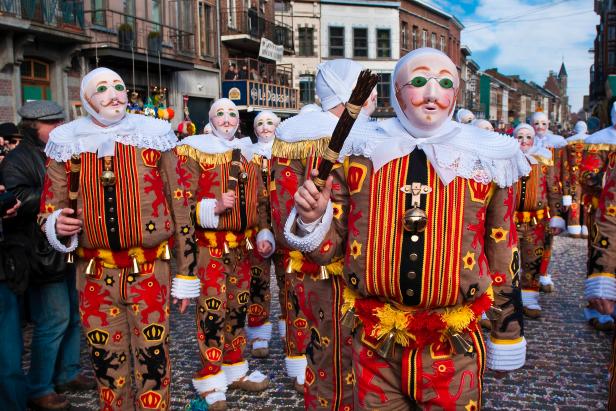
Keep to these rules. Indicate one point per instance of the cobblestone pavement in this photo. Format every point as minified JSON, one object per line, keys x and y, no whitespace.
{"x":566,"y":365}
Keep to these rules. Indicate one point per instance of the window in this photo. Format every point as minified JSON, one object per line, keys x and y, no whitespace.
{"x":336,"y":42}
{"x":424,"y":38}
{"x":611,"y":33}
{"x":443,"y":44}
{"x":207,"y":27}
{"x":360,"y":42}
{"x":404,"y":35}
{"x":433,"y":41}
{"x":35,"y":84}
{"x":383,"y":43}
{"x":611,"y":58}
{"x":129,"y":12}
{"x":414,"y":37}
{"x":98,"y":15}
{"x":383,"y":89}
{"x":155,"y":12}
{"x":306,"y":88}
{"x":306,"y":41}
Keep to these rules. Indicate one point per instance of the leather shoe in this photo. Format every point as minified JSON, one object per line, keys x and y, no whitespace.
{"x":81,"y":383}
{"x":50,"y":402}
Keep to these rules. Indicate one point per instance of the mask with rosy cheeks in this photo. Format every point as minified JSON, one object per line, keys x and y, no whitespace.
{"x":265,"y":125}
{"x":525,"y":138}
{"x":426,"y":89}
{"x":541,"y":123}
{"x":105,"y":93}
{"x":224,"y":118}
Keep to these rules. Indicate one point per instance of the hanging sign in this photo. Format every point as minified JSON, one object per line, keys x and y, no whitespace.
{"x":270,"y":51}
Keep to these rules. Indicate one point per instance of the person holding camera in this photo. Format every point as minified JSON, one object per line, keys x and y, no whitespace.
{"x":46,"y":279}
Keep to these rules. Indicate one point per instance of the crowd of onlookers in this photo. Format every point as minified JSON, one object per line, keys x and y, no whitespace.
{"x":9,"y":138}
{"x":259,"y":74}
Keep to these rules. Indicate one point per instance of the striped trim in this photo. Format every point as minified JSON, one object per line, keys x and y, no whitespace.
{"x":337,"y":370}
{"x":93,"y":201}
{"x":480,"y":350}
{"x":410,"y":372}
{"x":128,"y":202}
{"x":231,"y":220}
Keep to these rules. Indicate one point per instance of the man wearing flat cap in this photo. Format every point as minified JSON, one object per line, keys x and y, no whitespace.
{"x":51,"y":292}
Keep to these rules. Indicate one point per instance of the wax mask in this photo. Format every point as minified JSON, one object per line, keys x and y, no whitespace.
{"x":483,"y":124}
{"x":265,"y":126}
{"x":467,"y":118}
{"x":426,"y":89}
{"x":106,"y":94}
{"x":224,"y":118}
{"x":540,"y":123}
{"x":525,"y":138}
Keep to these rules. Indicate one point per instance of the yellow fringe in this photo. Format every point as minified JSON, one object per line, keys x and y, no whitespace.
{"x":545,"y":161}
{"x":601,"y":147}
{"x":391,"y":319}
{"x":349,"y":297}
{"x":201,"y":157}
{"x":296,"y":259}
{"x":230,"y":238}
{"x":301,"y":149}
{"x":105,"y":257}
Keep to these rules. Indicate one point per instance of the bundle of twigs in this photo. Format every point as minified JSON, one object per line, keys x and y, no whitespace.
{"x":365,"y":84}
{"x":234,"y":171}
{"x":73,"y":189}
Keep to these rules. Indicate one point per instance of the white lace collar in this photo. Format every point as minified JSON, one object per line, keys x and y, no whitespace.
{"x":307,"y":126}
{"x":211,"y":144}
{"x":577,"y":137}
{"x":83,"y":136}
{"x":259,"y":149}
{"x":460,"y":151}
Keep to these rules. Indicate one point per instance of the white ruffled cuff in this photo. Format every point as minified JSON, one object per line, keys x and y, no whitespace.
{"x":206,"y":217}
{"x":507,"y":356}
{"x":184,"y":286}
{"x":600,"y":286}
{"x":567,"y":200}
{"x":530,"y":299}
{"x":584,"y":230}
{"x":546,"y":280}
{"x":296,"y":368}
{"x":52,"y":237}
{"x":558,"y":222}
{"x":574,"y":229}
{"x":216,"y":383}
{"x":266,"y":235}
{"x":234,"y":372}
{"x":282,"y":329}
{"x":311,"y":241}
{"x":261,"y":332}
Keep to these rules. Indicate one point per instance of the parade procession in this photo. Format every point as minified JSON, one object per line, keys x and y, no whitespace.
{"x":321,"y":205}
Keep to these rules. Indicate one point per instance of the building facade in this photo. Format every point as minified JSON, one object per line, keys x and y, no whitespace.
{"x":602,"y":86}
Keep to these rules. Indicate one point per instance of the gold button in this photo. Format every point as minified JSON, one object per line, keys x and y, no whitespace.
{"x":413,"y":256}
{"x":410,"y":293}
{"x":411,"y":275}
{"x":414,"y":238}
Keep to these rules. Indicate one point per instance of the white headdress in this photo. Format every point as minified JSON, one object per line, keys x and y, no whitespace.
{"x":335,"y":81}
{"x":84,"y":100}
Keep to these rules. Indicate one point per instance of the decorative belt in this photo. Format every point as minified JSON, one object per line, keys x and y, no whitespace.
{"x":385,"y":323}
{"x":221,"y":239}
{"x":125,"y":258}
{"x":532,"y":216}
{"x":296,"y":262}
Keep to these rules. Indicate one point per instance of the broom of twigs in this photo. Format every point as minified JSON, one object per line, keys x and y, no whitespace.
{"x":73,"y":190}
{"x":234,"y":170}
{"x":365,"y":84}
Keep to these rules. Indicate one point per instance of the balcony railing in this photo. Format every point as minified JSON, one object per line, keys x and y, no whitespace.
{"x":130,"y":33}
{"x":257,"y":70}
{"x":247,"y":93}
{"x":64,"y":14}
{"x":251,"y":22}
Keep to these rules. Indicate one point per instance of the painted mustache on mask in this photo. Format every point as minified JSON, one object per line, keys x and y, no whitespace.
{"x":443,"y":104}
{"x":110,"y":102}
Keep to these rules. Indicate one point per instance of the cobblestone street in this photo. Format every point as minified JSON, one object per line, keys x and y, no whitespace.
{"x":566,"y":366}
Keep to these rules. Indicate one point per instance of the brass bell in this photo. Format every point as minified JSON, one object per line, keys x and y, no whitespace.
{"x":387,"y":345}
{"x":225,"y":248}
{"x":108,"y":178}
{"x":415,"y":220}
{"x":243,"y":176}
{"x":90,"y":267}
{"x":534,"y":220}
{"x":249,"y":245}
{"x":323,"y":274}
{"x":135,"y":269}
{"x":289,"y":268}
{"x":548,"y":214}
{"x":348,"y":318}
{"x":460,"y":345}
{"x":70,"y":259}
{"x":166,"y":253}
{"x":494,"y":313}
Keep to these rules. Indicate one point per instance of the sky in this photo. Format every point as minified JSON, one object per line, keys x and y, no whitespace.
{"x":530,"y":38}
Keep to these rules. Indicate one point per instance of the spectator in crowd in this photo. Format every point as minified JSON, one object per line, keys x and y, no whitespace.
{"x":8,"y":136}
{"x":49,"y":283}
{"x":243,"y":74}
{"x":231,"y":73}
{"x":254,"y":76}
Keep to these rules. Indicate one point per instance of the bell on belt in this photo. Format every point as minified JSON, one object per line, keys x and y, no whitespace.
{"x":166,"y":253}
{"x":289,"y":267}
{"x":69,"y":258}
{"x":387,"y":345}
{"x":225,"y":248}
{"x":90,"y":267}
{"x":348,"y":319}
{"x":415,"y":220}
{"x":249,"y":245}
{"x":459,"y":344}
{"x":108,"y":178}
{"x":548,"y":214}
{"x":135,"y":269}
{"x":323,"y":274}
{"x":243,"y":176}
{"x":534,"y":220}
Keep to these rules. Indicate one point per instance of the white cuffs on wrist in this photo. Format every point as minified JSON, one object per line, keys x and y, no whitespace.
{"x":574,"y":229}
{"x":567,"y":200}
{"x":506,"y":356}
{"x":266,"y":235}
{"x":600,"y":286}
{"x":52,"y":237}
{"x":184,"y":286}
{"x":310,"y":241}
{"x":558,"y":222}
{"x":206,"y":217}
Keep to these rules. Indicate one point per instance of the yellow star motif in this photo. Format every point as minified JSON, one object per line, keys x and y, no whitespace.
{"x":469,"y":260}
{"x":611,"y":210}
{"x":471,"y":406}
{"x":120,"y":382}
{"x":50,"y":208}
{"x":337,"y":210}
{"x":178,"y":194}
{"x":355,"y":249}
{"x":498,"y":234}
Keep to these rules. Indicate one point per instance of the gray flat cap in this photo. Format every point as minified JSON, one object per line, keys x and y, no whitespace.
{"x":41,"y":110}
